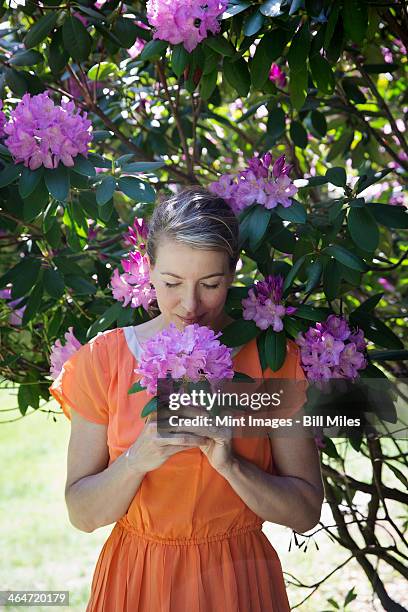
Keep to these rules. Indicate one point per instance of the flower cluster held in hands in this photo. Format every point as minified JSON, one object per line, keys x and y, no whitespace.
{"x":332,"y":350}
{"x":41,"y":133}
{"x":61,"y":353}
{"x":262,"y":182}
{"x":185,"y":21}
{"x":192,"y":354}
{"x":264,"y":304}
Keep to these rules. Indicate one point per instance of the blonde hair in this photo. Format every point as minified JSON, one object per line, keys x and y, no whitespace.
{"x":197,"y":218}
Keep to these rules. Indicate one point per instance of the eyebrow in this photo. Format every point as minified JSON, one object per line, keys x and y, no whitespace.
{"x":202,"y":278}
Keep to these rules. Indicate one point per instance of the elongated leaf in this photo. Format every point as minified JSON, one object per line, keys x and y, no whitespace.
{"x":322,"y":73}
{"x":239,"y":332}
{"x":77,"y":40}
{"x":293,"y":273}
{"x":268,"y":50}
{"x":310,"y":313}
{"x":355,"y":19}
{"x":40,"y":29}
{"x":137,"y":190}
{"x":258,"y":224}
{"x":313,"y":274}
{"x":294,"y":213}
{"x":135,"y":388}
{"x":180,"y":57}
{"x":331,"y":279}
{"x":369,"y":304}
{"x":208,"y":83}
{"x":220,"y":45}
{"x":363,"y":229}
{"x":143,"y":167}
{"x":53,"y":283}
{"x":57,"y":182}
{"x":29,"y":180}
{"x":237,"y":75}
{"x":276,"y":123}
{"x":23,"y":276}
{"x":337,"y":176}
{"x":150,"y":407}
{"x":26,"y":58}
{"x":376,"y":330}
{"x":105,"y":190}
{"x":346,"y":257}
{"x":298,"y":134}
{"x":394,"y":217}
{"x":9,"y":174}
{"x":105,"y":320}
{"x":275,"y":349}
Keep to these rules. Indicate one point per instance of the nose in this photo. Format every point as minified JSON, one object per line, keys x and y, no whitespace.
{"x":190,"y":302}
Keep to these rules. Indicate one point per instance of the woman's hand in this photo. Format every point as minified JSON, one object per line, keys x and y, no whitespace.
{"x":218,"y":445}
{"x":151,"y":450}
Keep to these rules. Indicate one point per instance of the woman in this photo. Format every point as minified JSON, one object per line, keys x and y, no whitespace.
{"x":188,"y":509}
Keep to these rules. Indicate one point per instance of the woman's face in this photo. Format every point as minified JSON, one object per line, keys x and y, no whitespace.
{"x":191,"y":284}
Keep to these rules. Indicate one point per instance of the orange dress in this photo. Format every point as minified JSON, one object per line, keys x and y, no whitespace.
{"x":187,"y":542}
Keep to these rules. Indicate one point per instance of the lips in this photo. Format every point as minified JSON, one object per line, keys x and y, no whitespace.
{"x":190,"y":321}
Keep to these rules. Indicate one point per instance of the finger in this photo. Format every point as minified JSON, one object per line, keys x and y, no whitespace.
{"x":183,"y":439}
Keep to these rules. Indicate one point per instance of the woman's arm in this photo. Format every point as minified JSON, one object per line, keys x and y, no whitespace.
{"x":294,"y":496}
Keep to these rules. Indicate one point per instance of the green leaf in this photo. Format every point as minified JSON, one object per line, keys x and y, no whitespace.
{"x":322,"y":74}
{"x":36,"y":202}
{"x":259,"y":218}
{"x":398,"y":355}
{"x":220,"y":45}
{"x":268,"y":50}
{"x":150,"y":407}
{"x":9,"y":174}
{"x":53,"y":283}
{"x":276,"y":123}
{"x":135,"y":388}
{"x":241,"y":377}
{"x":331,"y":279}
{"x":299,"y":49}
{"x":294,"y":213}
{"x":346,"y":257}
{"x":253,"y":23}
{"x":394,"y":217}
{"x":293,"y":273}
{"x":337,"y":176}
{"x":239,"y":332}
{"x":102,"y":71}
{"x":318,"y":122}
{"x":29,"y":180}
{"x":355,"y":19}
{"x":180,"y":57}
{"x":401,"y":477}
{"x":363,"y":229}
{"x":275,"y":349}
{"x":237,"y":75}
{"x":298,"y":82}
{"x":23,"y":276}
{"x":137,"y":190}
{"x":310,"y":313}
{"x":370,"y":178}
{"x":83,"y":166}
{"x":27,"y":396}
{"x":283,"y":240}
{"x":26,"y":58}
{"x":105,"y":320}
{"x":40,"y":29}
{"x":298,"y":134}
{"x":369,"y":304}
{"x":143,"y":167}
{"x":79,"y":284}
{"x":352,"y":91}
{"x":208,"y":83}
{"x":153,"y":49}
{"x":105,"y":190}
{"x":235,"y":8}
{"x":126,"y":31}
{"x":313,"y":274}
{"x":375,"y":330}
{"x":77,"y":40}
{"x":57,"y":182}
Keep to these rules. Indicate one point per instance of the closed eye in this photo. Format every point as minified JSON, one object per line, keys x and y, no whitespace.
{"x":211,"y":286}
{"x":172,"y":284}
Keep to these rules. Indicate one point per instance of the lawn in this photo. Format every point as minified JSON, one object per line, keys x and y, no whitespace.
{"x":42,"y":550}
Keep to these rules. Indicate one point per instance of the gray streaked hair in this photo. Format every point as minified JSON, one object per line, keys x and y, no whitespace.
{"x":197,"y":218}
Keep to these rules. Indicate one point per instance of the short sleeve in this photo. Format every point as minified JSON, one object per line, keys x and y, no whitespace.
{"x":296,"y":392}
{"x":83,"y":382}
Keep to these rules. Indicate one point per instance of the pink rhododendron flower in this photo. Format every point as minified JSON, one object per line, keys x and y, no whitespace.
{"x":193,"y":354}
{"x":386,"y":284}
{"x":136,"y":48}
{"x":185,"y":21}
{"x":332,"y":350}
{"x":261,"y":183}
{"x":133,"y":286}
{"x":137,"y":234}
{"x":277,"y":75}
{"x":263,"y":304}
{"x":41,"y":133}
{"x":2,"y":119}
{"x":61,"y":353}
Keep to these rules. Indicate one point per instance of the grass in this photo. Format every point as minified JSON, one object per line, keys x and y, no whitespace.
{"x":42,"y":550}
